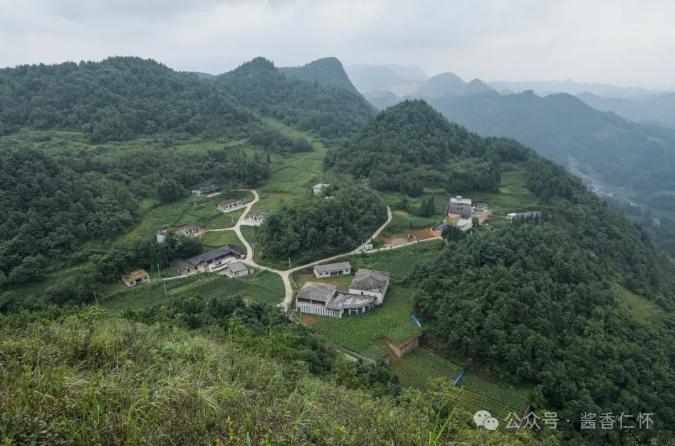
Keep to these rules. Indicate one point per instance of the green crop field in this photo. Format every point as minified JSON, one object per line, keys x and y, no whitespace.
{"x":263,"y":287}
{"x":641,"y":308}
{"x":214,"y":240}
{"x":360,"y":332}
{"x":418,"y":368}
{"x":224,"y":221}
{"x":500,"y":399}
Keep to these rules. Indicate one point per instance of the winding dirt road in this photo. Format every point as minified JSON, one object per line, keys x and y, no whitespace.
{"x":286,"y":275}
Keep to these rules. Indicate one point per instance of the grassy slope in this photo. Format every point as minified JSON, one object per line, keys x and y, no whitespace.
{"x":97,"y":379}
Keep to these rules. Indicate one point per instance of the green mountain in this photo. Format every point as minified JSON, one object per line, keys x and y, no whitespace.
{"x":203,"y":76}
{"x":327,"y":71}
{"x":564,"y":129}
{"x":329,"y":111}
{"x":552,"y":301}
{"x":450,"y":84}
{"x":117,"y":99}
{"x":411,"y":146}
{"x":657,"y":109}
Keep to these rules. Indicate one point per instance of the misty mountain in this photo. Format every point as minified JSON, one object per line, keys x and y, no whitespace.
{"x":328,"y":110}
{"x":657,"y":109}
{"x":450,"y":84}
{"x":563,"y":128}
{"x":382,"y":99}
{"x":571,"y":87}
{"x":327,"y":71}
{"x":400,"y":79}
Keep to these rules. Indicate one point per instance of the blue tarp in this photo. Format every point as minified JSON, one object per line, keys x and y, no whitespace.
{"x":458,"y":378}
{"x":415,"y":320}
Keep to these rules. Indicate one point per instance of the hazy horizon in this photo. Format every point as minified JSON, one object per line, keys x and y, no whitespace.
{"x":625,"y":43}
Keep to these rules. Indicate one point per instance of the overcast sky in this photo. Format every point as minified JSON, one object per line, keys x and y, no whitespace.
{"x":625,"y":42}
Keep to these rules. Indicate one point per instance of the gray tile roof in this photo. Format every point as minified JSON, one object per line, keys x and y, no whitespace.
{"x":346,"y":301}
{"x":319,"y":292}
{"x":212,"y":255}
{"x":370,"y":280}
{"x":340,"y":266}
{"x":237,"y":267}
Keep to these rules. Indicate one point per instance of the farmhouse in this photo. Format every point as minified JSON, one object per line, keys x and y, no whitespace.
{"x":237,"y":269}
{"x":186,"y":230}
{"x":370,"y":283}
{"x":206,"y":190}
{"x":461,"y":206}
{"x":209,"y":260}
{"x":333,"y":269}
{"x":256,"y":217}
{"x":439,"y":229}
{"x":136,"y":277}
{"x":228,"y":205}
{"x":317,"y":187}
{"x":324,"y":300}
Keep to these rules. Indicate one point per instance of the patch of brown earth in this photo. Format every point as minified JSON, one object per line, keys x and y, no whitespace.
{"x":308,"y":320}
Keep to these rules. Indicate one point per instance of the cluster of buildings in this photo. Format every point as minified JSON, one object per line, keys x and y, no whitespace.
{"x":366,"y":290}
{"x":207,"y":261}
{"x":206,"y":191}
{"x":459,"y":212}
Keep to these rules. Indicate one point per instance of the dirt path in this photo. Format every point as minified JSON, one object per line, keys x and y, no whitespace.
{"x":286,"y":275}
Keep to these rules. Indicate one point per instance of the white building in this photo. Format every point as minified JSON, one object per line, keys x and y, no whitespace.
{"x":461,"y":206}
{"x":318,"y":187}
{"x":333,"y":269}
{"x":324,"y":300}
{"x":370,"y":283}
{"x":237,"y":269}
{"x":206,"y":190}
{"x":229,"y":205}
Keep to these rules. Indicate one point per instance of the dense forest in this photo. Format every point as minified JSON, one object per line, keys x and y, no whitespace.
{"x":330,"y":111}
{"x":411,"y":146}
{"x":116,"y":99}
{"x":318,"y":226}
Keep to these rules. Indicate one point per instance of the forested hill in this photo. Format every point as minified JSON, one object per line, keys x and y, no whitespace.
{"x":327,"y":71}
{"x":411,"y":146}
{"x":561,"y":127}
{"x":116,"y":99}
{"x":332,"y":112}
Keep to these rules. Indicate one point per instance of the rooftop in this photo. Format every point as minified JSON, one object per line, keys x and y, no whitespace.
{"x":134,"y":275}
{"x":461,"y":200}
{"x":345,"y":301}
{"x":333,"y":267}
{"x":208,"y":189}
{"x":233,"y":200}
{"x":319,"y":292}
{"x":211,"y":255}
{"x":370,"y":280}
{"x":237,"y":267}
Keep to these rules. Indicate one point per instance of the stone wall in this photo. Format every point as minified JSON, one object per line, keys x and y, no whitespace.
{"x":404,"y":348}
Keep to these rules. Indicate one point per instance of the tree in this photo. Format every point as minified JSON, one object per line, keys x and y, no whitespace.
{"x":170,"y":190}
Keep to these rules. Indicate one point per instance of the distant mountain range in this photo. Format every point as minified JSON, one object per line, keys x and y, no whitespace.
{"x":568,"y":86}
{"x":450,"y":84}
{"x":399,"y":79}
{"x":658,"y":109}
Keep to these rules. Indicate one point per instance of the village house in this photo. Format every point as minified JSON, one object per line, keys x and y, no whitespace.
{"x":318,"y":187}
{"x":370,"y":283}
{"x":461,"y":206}
{"x":206,"y":190}
{"x":237,"y":269}
{"x":136,"y":277}
{"x":229,"y":205}
{"x":187,"y":230}
{"x":256,"y":217}
{"x":324,"y":300}
{"x":206,"y":261}
{"x":333,"y":269}
{"x":440,"y":228}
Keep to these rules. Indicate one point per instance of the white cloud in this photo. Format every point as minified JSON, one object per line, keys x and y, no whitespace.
{"x":619,"y":41}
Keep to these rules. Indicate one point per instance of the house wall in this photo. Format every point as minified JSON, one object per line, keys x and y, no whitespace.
{"x":327,"y":274}
{"x":318,"y":310}
{"x":379,"y":297}
{"x":403,"y":349}
{"x":241,"y":274}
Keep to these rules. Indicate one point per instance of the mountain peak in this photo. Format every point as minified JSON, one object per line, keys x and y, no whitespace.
{"x":326,"y":71}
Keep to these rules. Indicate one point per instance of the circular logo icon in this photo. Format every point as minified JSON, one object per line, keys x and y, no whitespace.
{"x":480,"y":417}
{"x":491,"y":424}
